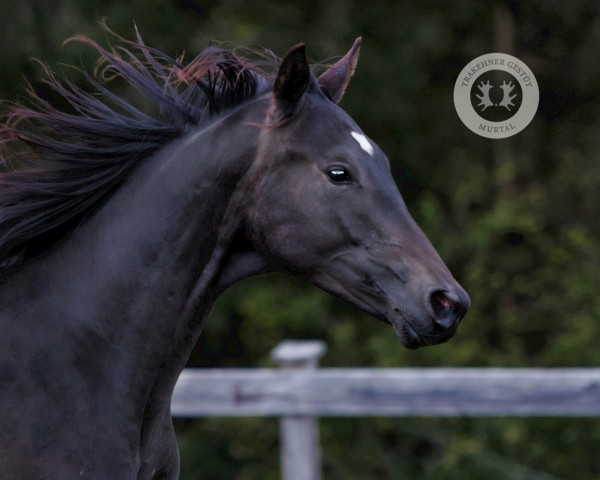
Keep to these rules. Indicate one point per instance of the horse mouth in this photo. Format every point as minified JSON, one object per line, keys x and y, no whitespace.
{"x":409,"y":336}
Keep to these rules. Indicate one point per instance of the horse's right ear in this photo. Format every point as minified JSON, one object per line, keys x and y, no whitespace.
{"x":337,"y":77}
{"x":293,"y":79}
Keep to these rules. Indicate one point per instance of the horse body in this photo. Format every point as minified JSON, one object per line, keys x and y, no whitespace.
{"x":97,"y":328}
{"x":111,"y":342}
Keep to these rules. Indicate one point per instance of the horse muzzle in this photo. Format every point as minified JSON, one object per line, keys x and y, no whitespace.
{"x":437,"y":322}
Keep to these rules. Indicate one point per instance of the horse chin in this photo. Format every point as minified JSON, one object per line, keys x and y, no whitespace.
{"x":407,"y":335}
{"x":412,"y":339}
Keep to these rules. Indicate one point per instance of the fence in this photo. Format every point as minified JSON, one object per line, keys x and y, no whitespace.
{"x":299,"y":392}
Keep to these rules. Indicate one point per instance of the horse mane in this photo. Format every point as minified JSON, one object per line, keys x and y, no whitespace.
{"x":61,"y":162}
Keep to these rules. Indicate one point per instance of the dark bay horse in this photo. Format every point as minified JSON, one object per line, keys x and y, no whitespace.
{"x":120,"y":226}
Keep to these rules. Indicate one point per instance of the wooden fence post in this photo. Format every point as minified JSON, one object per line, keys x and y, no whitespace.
{"x":299,"y":435}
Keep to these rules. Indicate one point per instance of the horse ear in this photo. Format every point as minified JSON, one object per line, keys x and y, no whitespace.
{"x":293,"y":78}
{"x":337,"y":77}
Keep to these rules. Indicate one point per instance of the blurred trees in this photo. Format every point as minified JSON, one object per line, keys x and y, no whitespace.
{"x":516,"y":220}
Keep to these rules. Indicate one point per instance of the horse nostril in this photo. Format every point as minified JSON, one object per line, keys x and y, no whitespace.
{"x":447,"y":312}
{"x":441,"y":302}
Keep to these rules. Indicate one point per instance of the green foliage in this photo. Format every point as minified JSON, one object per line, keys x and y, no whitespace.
{"x":516,"y":220}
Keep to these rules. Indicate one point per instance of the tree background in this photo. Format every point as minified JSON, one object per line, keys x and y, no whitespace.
{"x":516,"y":220}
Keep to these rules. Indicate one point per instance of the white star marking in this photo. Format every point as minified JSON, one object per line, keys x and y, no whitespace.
{"x":363,"y":142}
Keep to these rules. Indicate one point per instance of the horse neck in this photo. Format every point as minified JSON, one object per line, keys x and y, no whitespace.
{"x":117,"y":290}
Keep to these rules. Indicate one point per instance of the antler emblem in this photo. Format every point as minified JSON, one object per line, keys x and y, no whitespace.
{"x":484,"y":100}
{"x":507,"y":98}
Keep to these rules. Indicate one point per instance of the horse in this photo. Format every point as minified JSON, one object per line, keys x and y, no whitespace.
{"x":120,"y":224}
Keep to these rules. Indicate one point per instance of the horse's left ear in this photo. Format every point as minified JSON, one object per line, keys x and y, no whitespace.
{"x":293,"y":79}
{"x":337,"y":77}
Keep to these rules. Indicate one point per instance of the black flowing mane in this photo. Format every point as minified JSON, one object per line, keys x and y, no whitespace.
{"x":60,"y":163}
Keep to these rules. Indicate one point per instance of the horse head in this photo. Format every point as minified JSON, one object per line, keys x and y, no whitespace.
{"x":325,"y":207}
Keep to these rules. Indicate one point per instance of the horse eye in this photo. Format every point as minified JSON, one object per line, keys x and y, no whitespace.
{"x":339,"y":175}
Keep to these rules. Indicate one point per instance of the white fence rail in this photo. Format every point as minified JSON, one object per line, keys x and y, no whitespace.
{"x":299,"y":391}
